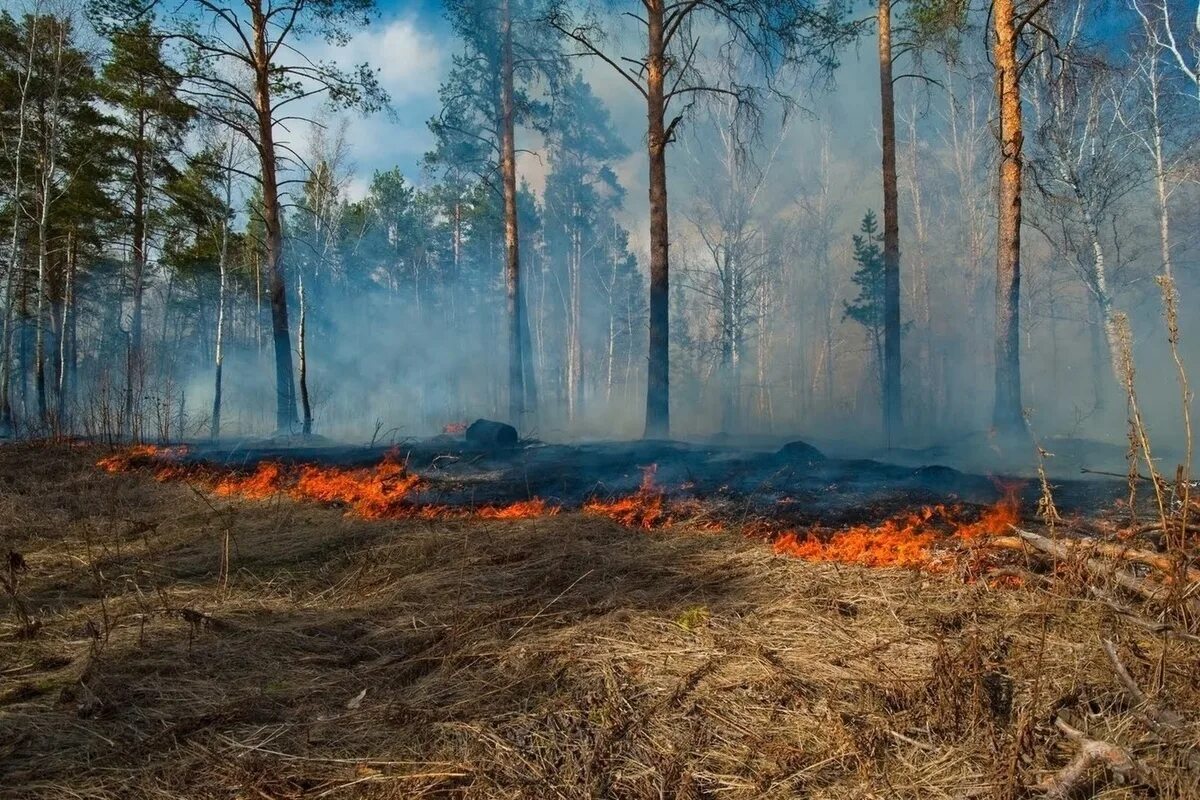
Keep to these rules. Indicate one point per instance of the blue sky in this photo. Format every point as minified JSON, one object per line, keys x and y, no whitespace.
{"x":410,"y":45}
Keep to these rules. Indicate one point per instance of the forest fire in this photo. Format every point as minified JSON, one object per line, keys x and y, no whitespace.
{"x":642,"y":509}
{"x":387,"y":491}
{"x":902,"y":541}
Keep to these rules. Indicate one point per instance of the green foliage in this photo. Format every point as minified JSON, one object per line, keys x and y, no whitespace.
{"x":936,"y":25}
{"x":867,"y":307}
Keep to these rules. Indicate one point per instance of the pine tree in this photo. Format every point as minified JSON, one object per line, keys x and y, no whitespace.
{"x":868,"y":308}
{"x":137,"y":82}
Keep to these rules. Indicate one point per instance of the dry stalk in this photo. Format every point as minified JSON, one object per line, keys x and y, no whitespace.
{"x":1139,"y":439}
{"x":11,"y":579}
{"x":1183,"y":478}
{"x":1047,"y":511}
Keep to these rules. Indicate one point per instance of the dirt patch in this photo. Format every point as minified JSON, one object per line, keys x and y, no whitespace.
{"x":197,"y":646}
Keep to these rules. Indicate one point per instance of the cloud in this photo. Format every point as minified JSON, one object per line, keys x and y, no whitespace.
{"x":410,"y":58}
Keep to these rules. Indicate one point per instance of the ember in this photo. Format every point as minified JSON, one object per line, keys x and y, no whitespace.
{"x":454,"y":428}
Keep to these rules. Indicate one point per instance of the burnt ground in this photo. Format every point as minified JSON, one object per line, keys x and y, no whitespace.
{"x":188,"y":646}
{"x":796,"y":484}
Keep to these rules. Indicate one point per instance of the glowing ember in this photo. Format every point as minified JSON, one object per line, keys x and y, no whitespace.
{"x":454,"y":428}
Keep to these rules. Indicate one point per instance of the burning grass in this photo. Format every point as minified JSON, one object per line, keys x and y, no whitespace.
{"x":549,"y":656}
{"x":925,"y":538}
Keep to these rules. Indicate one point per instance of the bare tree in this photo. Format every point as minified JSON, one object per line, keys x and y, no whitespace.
{"x":682,"y":40}
{"x":1082,"y":164}
{"x":727,"y":219}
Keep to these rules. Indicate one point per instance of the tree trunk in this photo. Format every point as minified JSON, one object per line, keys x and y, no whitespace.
{"x":7,"y":427}
{"x":285,"y":391}
{"x":219,"y":349}
{"x":1160,"y":173}
{"x":658,"y":386}
{"x":1008,"y":417}
{"x":43,"y":270}
{"x":64,"y":339}
{"x":891,"y":233}
{"x":512,"y":245}
{"x":303,"y":364}
{"x":134,"y":369}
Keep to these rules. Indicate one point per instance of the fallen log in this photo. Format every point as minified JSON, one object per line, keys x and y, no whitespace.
{"x":1084,"y":547}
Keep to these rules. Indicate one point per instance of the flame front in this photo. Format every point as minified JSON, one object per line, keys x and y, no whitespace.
{"x":906,"y":540}
{"x":386,"y":491}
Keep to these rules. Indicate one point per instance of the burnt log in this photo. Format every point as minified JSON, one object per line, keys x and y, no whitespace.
{"x":490,"y":433}
{"x":801,"y":453}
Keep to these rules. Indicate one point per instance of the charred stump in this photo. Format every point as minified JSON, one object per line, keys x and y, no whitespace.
{"x":490,"y":433}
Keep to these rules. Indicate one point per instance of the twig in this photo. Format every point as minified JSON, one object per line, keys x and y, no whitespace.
{"x":1092,"y":753}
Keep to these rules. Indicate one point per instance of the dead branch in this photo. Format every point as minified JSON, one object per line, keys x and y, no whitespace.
{"x":1092,"y":753}
{"x":1144,"y":587}
{"x":1086,"y":547}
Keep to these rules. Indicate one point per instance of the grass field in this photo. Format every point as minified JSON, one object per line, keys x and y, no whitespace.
{"x":182,"y":645}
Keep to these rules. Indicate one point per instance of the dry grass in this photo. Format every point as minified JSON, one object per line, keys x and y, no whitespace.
{"x":562,"y":657}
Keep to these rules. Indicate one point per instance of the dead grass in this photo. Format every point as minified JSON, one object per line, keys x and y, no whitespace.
{"x":561,"y":657}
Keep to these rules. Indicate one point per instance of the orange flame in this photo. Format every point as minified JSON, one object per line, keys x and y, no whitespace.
{"x":901,"y":541}
{"x":642,"y":509}
{"x":525,"y":509}
{"x":127,"y":459}
{"x":385,"y":492}
{"x":373,"y":493}
{"x":995,"y":519}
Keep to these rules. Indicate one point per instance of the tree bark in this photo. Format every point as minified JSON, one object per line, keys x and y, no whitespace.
{"x":512,"y":245}
{"x":1007,"y":416}
{"x":219,"y":349}
{"x":133,"y":358}
{"x":891,"y":233}
{"x":658,"y":387}
{"x":43,"y":270}
{"x":300,"y":346}
{"x":285,"y":391}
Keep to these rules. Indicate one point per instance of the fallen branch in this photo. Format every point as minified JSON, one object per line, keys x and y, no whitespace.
{"x":1164,"y":722}
{"x":1092,"y":753}
{"x":1144,"y":587}
{"x":1083,"y":547}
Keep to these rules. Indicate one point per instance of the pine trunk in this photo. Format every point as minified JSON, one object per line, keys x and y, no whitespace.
{"x":512,"y":247}
{"x":658,"y":387}
{"x":891,"y":234}
{"x":285,"y":392}
{"x":1007,"y":415}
